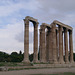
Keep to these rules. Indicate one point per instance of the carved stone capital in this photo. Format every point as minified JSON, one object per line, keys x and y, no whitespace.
{"x":65,"y":29}
{"x":70,"y":31}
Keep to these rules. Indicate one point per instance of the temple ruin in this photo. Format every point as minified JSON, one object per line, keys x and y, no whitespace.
{"x":55,"y":42}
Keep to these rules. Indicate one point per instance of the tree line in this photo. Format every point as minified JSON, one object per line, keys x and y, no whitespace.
{"x":16,"y":57}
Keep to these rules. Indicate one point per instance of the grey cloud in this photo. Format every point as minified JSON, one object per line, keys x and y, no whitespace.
{"x":63,"y":5}
{"x":49,"y":10}
{"x":20,"y":37}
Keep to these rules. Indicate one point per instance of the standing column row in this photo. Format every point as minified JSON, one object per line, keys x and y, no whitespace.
{"x":65,"y":45}
{"x":50,"y":48}
{"x":60,"y":45}
{"x":26,"y":42}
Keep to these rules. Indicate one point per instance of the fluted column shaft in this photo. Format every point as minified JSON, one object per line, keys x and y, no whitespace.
{"x":43,"y":46}
{"x":66,"y":45}
{"x":60,"y":45}
{"x":47,"y":45}
{"x":57,"y":44}
{"x":71,"y":46}
{"x":54,"y":42}
{"x":35,"y":59}
{"x":26,"y":41}
{"x":50,"y":46}
{"x":40,"y":50}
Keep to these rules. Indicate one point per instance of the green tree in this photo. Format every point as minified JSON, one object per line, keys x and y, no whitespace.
{"x":74,"y":56}
{"x":3,"y":56}
{"x":15,"y":57}
{"x":20,"y":52}
{"x":31,"y":57}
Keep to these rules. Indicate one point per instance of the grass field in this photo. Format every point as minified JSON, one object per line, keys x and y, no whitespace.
{"x":8,"y":64}
{"x":13,"y":64}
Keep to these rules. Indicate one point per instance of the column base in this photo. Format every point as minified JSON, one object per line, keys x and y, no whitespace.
{"x":55,"y":62}
{"x":43,"y":61}
{"x":67,"y":62}
{"x":61,"y":62}
{"x":50,"y":61}
{"x":71,"y":62}
{"x":35,"y":61}
{"x":26,"y":61}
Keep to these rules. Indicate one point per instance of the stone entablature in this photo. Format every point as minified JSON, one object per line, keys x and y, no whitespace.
{"x":46,"y":25}
{"x":26,"y":39}
{"x":31,"y":19}
{"x":63,"y":25}
{"x":51,"y":43}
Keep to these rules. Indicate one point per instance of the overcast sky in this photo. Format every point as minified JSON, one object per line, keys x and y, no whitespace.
{"x":12,"y":13}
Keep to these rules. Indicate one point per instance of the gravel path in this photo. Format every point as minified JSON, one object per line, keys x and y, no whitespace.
{"x":38,"y":71}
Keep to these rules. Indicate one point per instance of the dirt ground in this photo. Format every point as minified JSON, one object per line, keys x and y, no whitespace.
{"x":38,"y":71}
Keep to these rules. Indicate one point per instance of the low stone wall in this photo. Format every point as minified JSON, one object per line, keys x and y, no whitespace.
{"x":54,"y":65}
{"x":37,"y":66}
{"x":3,"y":69}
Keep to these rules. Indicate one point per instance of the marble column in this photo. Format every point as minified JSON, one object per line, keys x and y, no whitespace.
{"x":60,"y":46}
{"x":47,"y":45}
{"x":57,"y":44}
{"x":50,"y":60}
{"x":26,"y":41}
{"x":54,"y":43}
{"x":35,"y":58}
{"x":40,"y":43}
{"x":43,"y":46}
{"x":71,"y":46}
{"x":66,"y":45}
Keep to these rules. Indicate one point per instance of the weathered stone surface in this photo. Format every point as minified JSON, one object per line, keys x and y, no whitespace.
{"x":47,"y":46}
{"x":57,"y":48}
{"x":31,"y":19}
{"x":63,"y":25}
{"x":47,"y":25}
{"x":26,"y":42}
{"x":54,"y":43}
{"x":71,"y":46}
{"x":60,"y":45}
{"x":40,"y":50}
{"x":35,"y":59}
{"x":66,"y":45}
{"x":43,"y":46}
{"x":50,"y":60}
